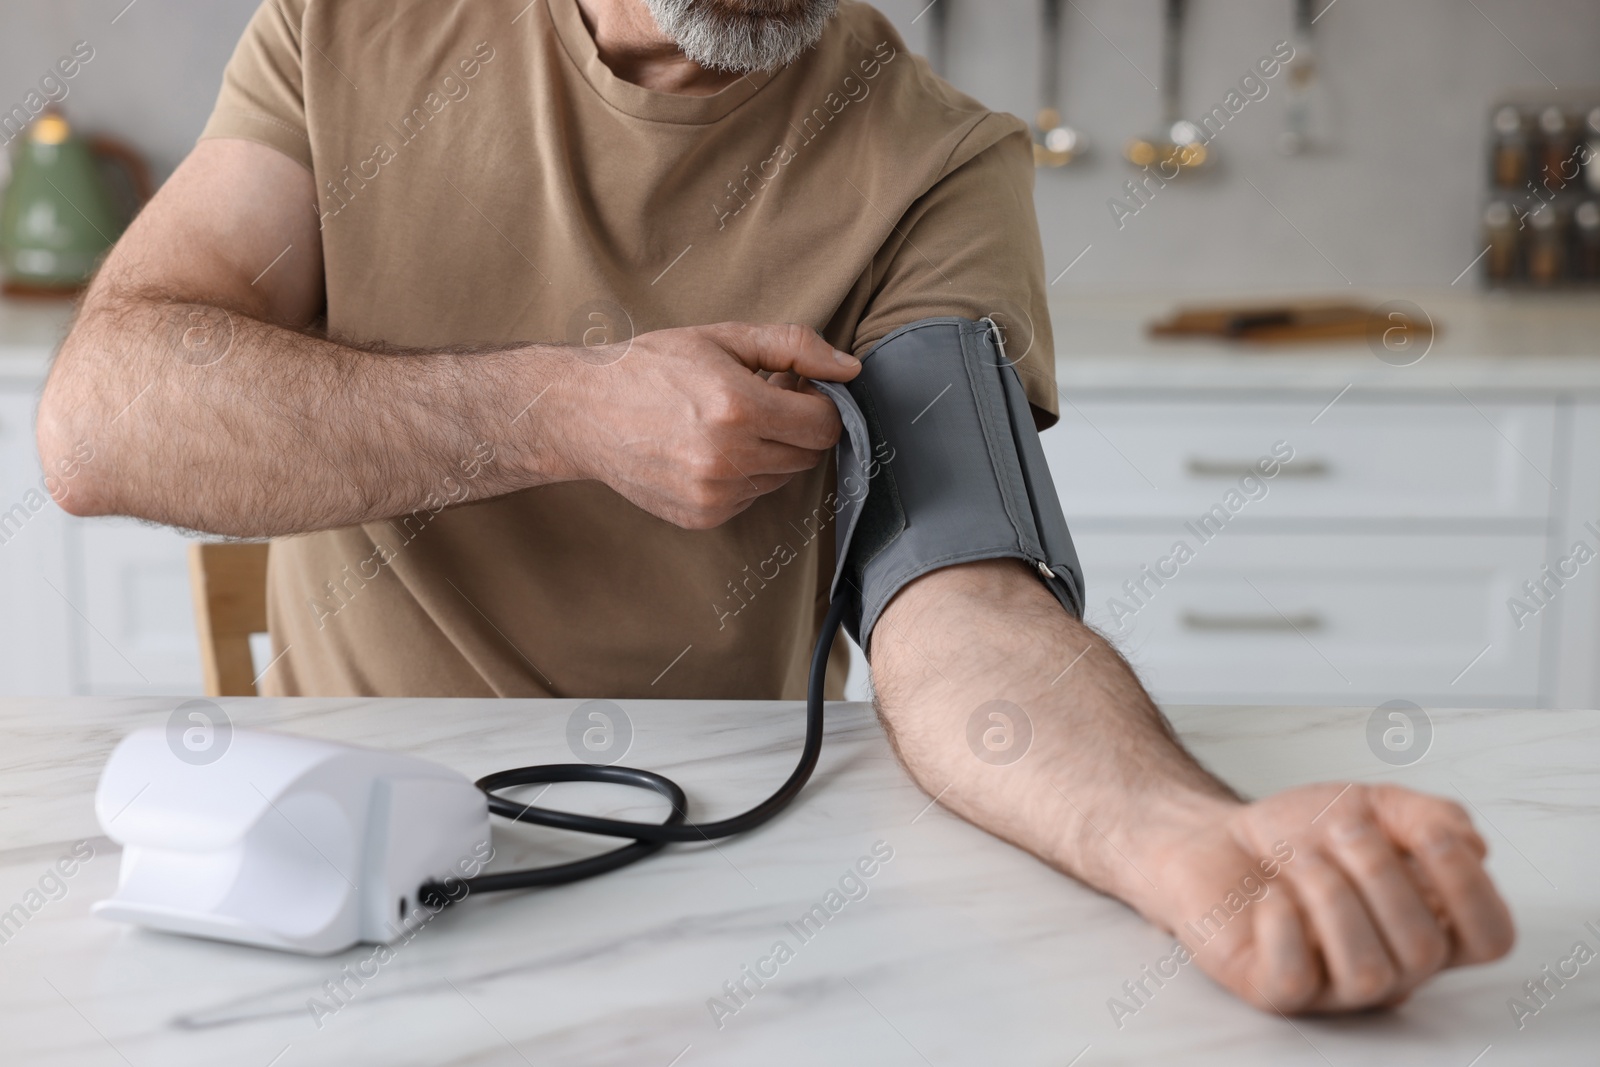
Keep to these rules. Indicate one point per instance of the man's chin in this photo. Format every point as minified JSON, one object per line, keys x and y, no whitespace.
{"x":744,"y":36}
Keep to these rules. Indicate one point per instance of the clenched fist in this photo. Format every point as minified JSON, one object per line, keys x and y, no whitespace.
{"x":1331,"y":897}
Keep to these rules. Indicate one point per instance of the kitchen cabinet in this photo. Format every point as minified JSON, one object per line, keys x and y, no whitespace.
{"x":1298,"y":618}
{"x":1381,"y":562}
{"x":1439,"y":458}
{"x":36,"y":620}
{"x":1376,"y":563}
{"x":136,"y":610}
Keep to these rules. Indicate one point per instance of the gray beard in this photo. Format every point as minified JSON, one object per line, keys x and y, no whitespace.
{"x":718,"y":37}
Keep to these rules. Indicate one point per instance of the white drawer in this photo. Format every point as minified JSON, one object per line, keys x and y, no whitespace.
{"x":138,"y":613}
{"x":1321,"y":619}
{"x":1147,"y":458}
{"x":34,"y":582}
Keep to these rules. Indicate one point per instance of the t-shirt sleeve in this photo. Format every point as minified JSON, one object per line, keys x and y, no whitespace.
{"x":970,"y":247}
{"x":262,"y":97}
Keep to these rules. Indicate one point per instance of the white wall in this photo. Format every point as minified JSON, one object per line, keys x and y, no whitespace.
{"x":155,"y":70}
{"x":1394,"y":204}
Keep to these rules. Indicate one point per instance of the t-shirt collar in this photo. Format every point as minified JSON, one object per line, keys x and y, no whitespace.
{"x":636,"y":100}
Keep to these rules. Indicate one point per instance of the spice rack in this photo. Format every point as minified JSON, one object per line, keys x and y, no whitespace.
{"x":1541,"y":223}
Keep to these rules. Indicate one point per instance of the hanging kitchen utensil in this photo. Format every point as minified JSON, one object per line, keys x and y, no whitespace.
{"x":68,"y":200}
{"x":938,"y":14}
{"x":1296,"y":137}
{"x":1591,"y":169}
{"x":1055,"y":144}
{"x":1179,"y":145}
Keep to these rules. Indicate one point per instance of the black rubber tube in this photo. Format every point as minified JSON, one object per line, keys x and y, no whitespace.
{"x":648,"y":838}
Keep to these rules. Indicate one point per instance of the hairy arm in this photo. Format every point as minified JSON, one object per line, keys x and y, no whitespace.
{"x":192,"y":390}
{"x":1351,"y":895}
{"x":205,"y":402}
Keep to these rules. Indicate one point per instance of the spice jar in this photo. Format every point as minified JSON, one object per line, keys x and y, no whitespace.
{"x":1508,"y":165}
{"x":1559,"y":156}
{"x":1500,"y":231}
{"x":1547,"y":253}
{"x":1586,"y":221}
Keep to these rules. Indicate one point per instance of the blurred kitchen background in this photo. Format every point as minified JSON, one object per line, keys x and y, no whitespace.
{"x":1443,"y":443}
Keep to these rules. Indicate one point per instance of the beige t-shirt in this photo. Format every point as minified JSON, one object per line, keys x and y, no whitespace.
{"x":484,"y":179}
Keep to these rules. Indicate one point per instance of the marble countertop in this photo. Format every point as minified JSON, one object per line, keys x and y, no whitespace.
{"x":963,"y":950}
{"x":1486,"y":342}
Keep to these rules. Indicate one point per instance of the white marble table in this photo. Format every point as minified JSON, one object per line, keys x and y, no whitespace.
{"x":963,"y":951}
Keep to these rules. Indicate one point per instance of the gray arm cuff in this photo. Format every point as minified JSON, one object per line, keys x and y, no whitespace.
{"x":940,"y":464}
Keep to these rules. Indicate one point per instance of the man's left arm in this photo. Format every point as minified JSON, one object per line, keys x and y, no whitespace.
{"x":1336,"y":897}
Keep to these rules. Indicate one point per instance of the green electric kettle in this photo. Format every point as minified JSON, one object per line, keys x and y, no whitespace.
{"x":65,"y":206}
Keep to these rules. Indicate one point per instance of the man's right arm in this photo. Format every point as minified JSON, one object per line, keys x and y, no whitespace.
{"x":192,"y":381}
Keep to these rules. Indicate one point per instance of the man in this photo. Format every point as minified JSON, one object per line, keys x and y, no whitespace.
{"x":427,"y":304}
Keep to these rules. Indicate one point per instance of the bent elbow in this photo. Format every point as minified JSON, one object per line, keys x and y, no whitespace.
{"x":67,"y":458}
{"x":79,"y":499}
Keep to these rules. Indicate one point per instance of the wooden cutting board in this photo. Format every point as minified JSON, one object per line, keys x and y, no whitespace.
{"x":1286,"y":323}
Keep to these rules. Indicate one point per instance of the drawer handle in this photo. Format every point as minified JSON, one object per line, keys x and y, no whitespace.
{"x":1194,"y":620}
{"x":1214,"y":468}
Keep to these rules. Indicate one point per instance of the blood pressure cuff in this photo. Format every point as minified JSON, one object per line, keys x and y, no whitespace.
{"x":940,"y":464}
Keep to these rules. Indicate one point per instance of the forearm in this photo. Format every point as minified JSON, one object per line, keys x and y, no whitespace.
{"x":217,"y":421}
{"x":1102,"y":778}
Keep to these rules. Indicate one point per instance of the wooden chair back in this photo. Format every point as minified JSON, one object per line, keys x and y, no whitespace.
{"x":228,"y":581}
